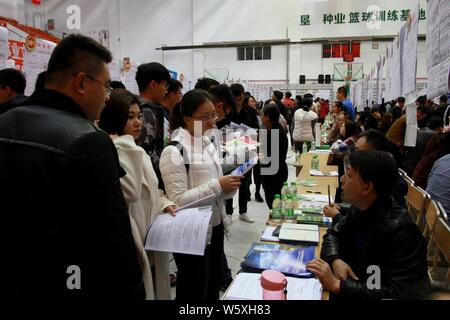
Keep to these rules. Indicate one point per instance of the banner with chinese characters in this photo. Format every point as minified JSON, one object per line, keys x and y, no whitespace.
{"x":373,"y":16}
{"x":36,"y":61}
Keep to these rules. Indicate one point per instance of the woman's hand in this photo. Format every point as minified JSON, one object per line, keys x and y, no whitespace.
{"x":171,"y":210}
{"x":230,"y":183}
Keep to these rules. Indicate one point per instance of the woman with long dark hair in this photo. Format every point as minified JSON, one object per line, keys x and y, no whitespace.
{"x":276,"y":136}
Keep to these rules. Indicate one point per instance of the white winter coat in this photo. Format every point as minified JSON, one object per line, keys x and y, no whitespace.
{"x":201,"y":181}
{"x":145,"y":202}
{"x":303,"y":130}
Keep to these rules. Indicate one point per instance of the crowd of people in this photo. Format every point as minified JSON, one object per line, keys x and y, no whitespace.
{"x":87,"y":166}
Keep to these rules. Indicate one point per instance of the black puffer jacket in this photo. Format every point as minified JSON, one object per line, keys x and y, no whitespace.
{"x":62,"y":205}
{"x":382,"y":236}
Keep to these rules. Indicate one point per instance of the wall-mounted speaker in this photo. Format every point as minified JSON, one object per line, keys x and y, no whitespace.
{"x":320,"y":79}
{"x":302,"y":79}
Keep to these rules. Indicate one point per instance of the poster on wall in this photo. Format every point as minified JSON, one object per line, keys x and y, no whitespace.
{"x":35,"y":61}
{"x":129,"y":78}
{"x":409,"y":55}
{"x":114,"y":70}
{"x":16,"y":53}
{"x":438,"y":48}
{"x":3,"y":47}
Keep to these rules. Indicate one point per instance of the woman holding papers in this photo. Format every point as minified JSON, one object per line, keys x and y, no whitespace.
{"x":121,"y":120}
{"x":191,"y":170}
{"x":272,"y":183}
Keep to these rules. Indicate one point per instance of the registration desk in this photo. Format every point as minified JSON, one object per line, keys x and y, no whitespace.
{"x":320,"y":188}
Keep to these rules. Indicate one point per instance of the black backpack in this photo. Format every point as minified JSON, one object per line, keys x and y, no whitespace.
{"x":180,"y":148}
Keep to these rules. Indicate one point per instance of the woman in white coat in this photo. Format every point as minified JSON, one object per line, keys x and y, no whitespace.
{"x":192,"y":176}
{"x":121,"y":120}
{"x":303,"y":124}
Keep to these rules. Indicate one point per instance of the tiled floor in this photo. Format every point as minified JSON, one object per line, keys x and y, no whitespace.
{"x":243,"y":234}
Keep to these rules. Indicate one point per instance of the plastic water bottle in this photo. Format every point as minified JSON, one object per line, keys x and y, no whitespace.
{"x":313,"y":146}
{"x":304,"y":148}
{"x":315,"y":162}
{"x":293,"y":188}
{"x":285,"y":191}
{"x":298,"y":158}
{"x":289,"y":210}
{"x":295,"y":202}
{"x":276,"y":209}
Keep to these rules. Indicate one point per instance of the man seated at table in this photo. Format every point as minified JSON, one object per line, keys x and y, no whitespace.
{"x":376,"y":251}
{"x":370,"y":140}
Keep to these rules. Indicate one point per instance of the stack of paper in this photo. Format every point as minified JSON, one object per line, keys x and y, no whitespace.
{"x":184,"y":233}
{"x":247,"y":286}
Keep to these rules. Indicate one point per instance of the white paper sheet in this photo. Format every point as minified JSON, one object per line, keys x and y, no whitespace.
{"x":247,"y":286}
{"x":316,"y":198}
{"x":411,"y":125}
{"x":185,"y":233}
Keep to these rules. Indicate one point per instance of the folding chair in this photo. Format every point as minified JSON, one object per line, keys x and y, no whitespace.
{"x":416,"y":204}
{"x":441,"y":238}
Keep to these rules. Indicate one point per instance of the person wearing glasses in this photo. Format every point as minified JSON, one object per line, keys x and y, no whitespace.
{"x":60,"y":188}
{"x":199,"y":277}
{"x":121,"y":120}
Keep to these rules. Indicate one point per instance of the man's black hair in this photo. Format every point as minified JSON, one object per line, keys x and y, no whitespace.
{"x":278,"y":95}
{"x":14,"y":79}
{"x":377,"y":167}
{"x":206,"y":83}
{"x":173,"y":85}
{"x":76,"y":53}
{"x":376,"y":139}
{"x":151,"y":71}
{"x":237,"y":89}
{"x":401,"y":99}
{"x":222,"y":93}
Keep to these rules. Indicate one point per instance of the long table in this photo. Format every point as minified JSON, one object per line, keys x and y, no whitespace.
{"x":321,"y":188}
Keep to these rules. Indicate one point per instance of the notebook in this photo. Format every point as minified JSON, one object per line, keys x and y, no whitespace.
{"x":299,"y":233}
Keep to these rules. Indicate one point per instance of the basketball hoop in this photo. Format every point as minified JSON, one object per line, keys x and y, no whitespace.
{"x":348,"y":57}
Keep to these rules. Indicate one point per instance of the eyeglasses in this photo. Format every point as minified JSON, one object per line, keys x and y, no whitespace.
{"x":107,"y":87}
{"x":211,"y":117}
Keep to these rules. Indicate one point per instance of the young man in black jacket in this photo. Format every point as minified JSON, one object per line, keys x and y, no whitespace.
{"x":376,"y":251}
{"x":65,"y":230}
{"x":12,"y":88}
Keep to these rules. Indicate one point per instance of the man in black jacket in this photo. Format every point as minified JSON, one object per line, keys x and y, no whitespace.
{"x":65,"y":230}
{"x":12,"y":88}
{"x":152,"y":79}
{"x":376,"y":251}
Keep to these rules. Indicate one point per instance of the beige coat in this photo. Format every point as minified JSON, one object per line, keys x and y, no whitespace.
{"x":145,"y":202}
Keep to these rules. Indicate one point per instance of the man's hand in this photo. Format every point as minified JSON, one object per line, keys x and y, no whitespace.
{"x":342,"y":270}
{"x":322,"y":271}
{"x":331,"y":211}
{"x":171,"y":210}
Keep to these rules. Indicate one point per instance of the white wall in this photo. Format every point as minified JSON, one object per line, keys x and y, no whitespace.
{"x":137,"y":27}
